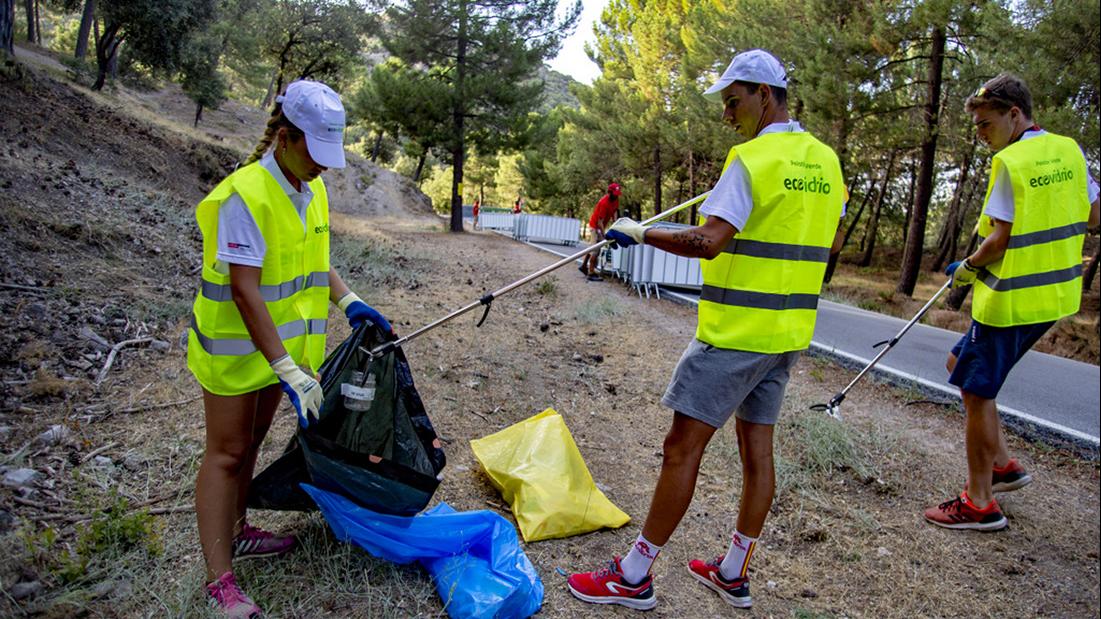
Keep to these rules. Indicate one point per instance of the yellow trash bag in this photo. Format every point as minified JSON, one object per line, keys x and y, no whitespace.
{"x":539,"y":471}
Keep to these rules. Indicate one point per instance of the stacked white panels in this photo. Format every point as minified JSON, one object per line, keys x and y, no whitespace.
{"x":496,"y":221}
{"x":673,"y":270}
{"x":547,"y":229}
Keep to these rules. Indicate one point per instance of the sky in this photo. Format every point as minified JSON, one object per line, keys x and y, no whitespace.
{"x":572,"y":59}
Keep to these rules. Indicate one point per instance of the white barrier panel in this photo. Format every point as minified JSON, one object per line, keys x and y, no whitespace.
{"x":496,"y":221}
{"x":547,"y":229}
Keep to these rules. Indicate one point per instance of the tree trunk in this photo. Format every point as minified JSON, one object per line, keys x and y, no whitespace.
{"x":915,"y":237}
{"x":29,"y":6}
{"x":86,"y":19}
{"x":198,"y":114}
{"x":37,"y":24}
{"x":657,"y":179}
{"x":458,"y":119}
{"x":873,"y":224}
{"x":1091,"y":271}
{"x":106,"y":46}
{"x":831,"y":264}
{"x":378,"y":147}
{"x":113,"y":62}
{"x":7,"y":26}
{"x":949,"y":231}
{"x":420,"y":167}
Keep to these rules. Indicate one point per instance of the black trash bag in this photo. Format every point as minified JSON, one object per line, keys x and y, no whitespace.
{"x":386,"y":457}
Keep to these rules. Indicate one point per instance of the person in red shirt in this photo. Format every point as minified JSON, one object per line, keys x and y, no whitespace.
{"x":604,"y":213}
{"x":477,"y":209}
{"x":516,"y":206}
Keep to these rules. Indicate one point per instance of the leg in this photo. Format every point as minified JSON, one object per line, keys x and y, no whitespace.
{"x":983,"y":441}
{"x":683,"y":450}
{"x":758,"y":476}
{"x":267,"y":402}
{"x":229,"y":424}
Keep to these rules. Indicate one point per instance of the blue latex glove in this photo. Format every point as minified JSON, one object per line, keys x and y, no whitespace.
{"x":962,"y":273}
{"x":303,"y":390}
{"x":359,"y":312}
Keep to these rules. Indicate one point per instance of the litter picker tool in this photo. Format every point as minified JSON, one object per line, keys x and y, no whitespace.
{"x":488,"y":298}
{"x":833,"y":407}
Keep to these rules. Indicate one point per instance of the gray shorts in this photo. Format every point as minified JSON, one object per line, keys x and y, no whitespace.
{"x":710,"y":384}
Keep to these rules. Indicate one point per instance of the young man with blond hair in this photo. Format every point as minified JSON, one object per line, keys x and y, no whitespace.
{"x":1027,"y":274}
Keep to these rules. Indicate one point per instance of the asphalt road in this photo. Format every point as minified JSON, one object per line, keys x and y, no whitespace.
{"x":1050,"y":395}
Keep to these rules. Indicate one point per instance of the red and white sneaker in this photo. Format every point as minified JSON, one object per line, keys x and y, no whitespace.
{"x":253,"y":542}
{"x":227,"y":598}
{"x":1011,"y":477}
{"x":607,"y":586}
{"x":961,"y":513}
{"x":734,"y":592}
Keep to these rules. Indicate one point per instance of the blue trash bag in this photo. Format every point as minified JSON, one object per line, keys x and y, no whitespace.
{"x":474,"y":557}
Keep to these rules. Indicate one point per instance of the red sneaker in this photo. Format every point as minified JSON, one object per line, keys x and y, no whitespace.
{"x":734,"y":592}
{"x":607,"y":586}
{"x":1012,"y":477}
{"x":961,"y":513}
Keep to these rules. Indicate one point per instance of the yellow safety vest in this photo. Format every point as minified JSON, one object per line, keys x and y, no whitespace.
{"x":1039,"y":279}
{"x":761,"y":293}
{"x":294,"y":282}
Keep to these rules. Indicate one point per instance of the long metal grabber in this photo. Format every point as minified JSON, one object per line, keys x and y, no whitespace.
{"x":833,"y":407}
{"x":488,"y":299}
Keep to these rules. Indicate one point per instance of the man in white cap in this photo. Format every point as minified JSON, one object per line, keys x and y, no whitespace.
{"x":771,"y":224}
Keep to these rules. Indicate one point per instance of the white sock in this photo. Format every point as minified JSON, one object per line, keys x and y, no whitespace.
{"x":636,"y":565}
{"x":736,"y":562}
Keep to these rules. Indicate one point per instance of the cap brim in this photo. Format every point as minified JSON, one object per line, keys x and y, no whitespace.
{"x":715,"y":93}
{"x":328,"y":154}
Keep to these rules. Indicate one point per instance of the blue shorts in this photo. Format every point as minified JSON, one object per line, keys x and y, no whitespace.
{"x":985,"y":355}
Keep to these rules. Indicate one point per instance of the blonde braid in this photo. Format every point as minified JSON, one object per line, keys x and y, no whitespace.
{"x":276,"y":121}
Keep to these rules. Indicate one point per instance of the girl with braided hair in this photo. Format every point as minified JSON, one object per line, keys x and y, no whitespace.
{"x":259,"y":320}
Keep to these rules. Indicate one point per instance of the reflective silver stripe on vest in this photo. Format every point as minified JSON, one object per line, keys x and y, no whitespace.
{"x":240,"y":347}
{"x":1047,"y":236}
{"x":779,"y":251}
{"x":759,"y":300}
{"x":1032,"y":280}
{"x":270,"y":293}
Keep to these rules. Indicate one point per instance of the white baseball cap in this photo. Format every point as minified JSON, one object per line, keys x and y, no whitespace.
{"x":314,"y":108}
{"x":756,"y":66}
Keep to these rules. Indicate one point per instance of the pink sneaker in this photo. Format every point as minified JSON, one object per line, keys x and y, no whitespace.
{"x":253,"y":542}
{"x":227,"y":598}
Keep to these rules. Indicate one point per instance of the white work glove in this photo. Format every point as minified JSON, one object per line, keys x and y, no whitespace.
{"x":626,"y":232}
{"x":303,"y":390}
{"x":962,"y":273}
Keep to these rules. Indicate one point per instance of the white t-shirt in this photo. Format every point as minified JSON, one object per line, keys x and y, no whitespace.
{"x":239,"y":238}
{"x":1000,"y":203}
{"x":732,"y":197}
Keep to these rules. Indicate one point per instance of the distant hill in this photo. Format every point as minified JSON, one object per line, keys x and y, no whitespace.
{"x":557,"y":91}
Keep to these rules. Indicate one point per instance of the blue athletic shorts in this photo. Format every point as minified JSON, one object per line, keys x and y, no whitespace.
{"x":985,"y":355}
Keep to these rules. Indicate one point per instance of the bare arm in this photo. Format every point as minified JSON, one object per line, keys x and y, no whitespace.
{"x":706,"y":241}
{"x":838,"y":239}
{"x":337,"y":287}
{"x":993,"y":248}
{"x":1095,"y":219}
{"x":244,"y":285}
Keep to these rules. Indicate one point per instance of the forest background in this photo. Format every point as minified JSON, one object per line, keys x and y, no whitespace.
{"x":455,"y":93}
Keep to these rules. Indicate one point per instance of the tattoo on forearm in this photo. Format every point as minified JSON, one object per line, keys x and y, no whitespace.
{"x":692,"y":240}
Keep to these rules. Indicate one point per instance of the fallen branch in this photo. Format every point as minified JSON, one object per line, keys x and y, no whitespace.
{"x":24,"y":288}
{"x":114,"y":352}
{"x":97,"y":451}
{"x":149,"y":407}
